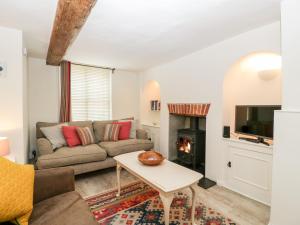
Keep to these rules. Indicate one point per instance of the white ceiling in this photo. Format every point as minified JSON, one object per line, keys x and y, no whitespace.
{"x":34,"y":17}
{"x":138,"y":34}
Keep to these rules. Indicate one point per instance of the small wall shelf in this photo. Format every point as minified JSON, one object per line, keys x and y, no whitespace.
{"x":155,"y":105}
{"x":150,"y":124}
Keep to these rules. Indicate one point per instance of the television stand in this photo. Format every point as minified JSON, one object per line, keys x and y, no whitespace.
{"x":257,"y":140}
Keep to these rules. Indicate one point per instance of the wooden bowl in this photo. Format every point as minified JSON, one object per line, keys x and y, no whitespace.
{"x":151,"y":158}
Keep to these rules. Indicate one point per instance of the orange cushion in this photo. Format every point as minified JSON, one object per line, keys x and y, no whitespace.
{"x":16,"y":192}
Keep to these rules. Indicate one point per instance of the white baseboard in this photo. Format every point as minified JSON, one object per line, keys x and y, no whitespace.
{"x":220,"y":183}
{"x":223,"y":184}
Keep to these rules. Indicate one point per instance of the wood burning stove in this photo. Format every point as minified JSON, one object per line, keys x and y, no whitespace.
{"x":191,"y":146}
{"x":190,"y":142}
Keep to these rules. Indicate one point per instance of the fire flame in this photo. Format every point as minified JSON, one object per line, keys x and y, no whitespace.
{"x":185,"y":146}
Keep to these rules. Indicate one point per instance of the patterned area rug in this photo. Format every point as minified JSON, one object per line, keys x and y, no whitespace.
{"x":139,"y":204}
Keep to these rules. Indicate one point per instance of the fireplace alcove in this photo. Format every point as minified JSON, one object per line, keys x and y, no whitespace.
{"x":189,"y":148}
{"x":187,"y":134}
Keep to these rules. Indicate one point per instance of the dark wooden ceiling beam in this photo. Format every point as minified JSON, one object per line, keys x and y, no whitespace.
{"x":70,"y":17}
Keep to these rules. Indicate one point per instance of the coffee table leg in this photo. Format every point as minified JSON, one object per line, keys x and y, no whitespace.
{"x":166,"y":199}
{"x":193,"y":189}
{"x":119,"y":168}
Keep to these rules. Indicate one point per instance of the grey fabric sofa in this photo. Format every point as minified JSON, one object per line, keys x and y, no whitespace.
{"x":55,"y":200}
{"x":83,"y":159}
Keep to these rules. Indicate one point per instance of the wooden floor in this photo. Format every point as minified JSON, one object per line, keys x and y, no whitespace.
{"x":235,"y":206}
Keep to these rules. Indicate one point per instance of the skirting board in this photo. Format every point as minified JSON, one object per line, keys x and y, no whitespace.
{"x":222,"y":184}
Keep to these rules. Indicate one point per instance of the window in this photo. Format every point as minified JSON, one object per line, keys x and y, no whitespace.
{"x":90,"y":93}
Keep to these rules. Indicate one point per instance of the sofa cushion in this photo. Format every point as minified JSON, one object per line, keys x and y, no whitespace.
{"x":86,"y":135}
{"x":125,"y":146}
{"x":54,"y":135}
{"x":65,"y":209}
{"x":16,"y":191}
{"x":99,"y":129}
{"x":125,"y":127}
{"x":111,"y":132}
{"x":71,"y":135}
{"x":134,"y":126}
{"x":39,"y":133}
{"x":66,"y":156}
{"x":39,"y":125}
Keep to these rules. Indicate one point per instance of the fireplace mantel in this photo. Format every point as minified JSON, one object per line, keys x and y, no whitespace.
{"x":189,"y":109}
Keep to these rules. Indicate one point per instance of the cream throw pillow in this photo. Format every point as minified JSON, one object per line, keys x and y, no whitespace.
{"x":54,"y":135}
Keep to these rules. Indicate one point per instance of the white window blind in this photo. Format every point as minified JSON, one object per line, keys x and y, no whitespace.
{"x":90,"y":93}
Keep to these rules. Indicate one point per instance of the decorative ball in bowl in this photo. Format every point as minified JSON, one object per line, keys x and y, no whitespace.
{"x":151,"y":158}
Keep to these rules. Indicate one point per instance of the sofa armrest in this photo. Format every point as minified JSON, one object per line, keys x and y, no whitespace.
{"x":141,"y":134}
{"x":51,"y":182}
{"x":44,"y":146}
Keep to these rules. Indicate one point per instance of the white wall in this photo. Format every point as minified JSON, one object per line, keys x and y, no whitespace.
{"x":244,"y":86}
{"x":125,"y":94}
{"x":290,"y":51}
{"x":43,"y":91}
{"x":150,"y":91}
{"x":25,"y":101}
{"x":286,"y":166}
{"x":13,"y":115}
{"x":198,"y":78}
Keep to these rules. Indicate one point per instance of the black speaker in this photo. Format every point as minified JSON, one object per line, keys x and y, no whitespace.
{"x":226,"y":132}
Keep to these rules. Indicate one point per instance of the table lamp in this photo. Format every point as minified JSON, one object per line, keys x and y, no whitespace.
{"x":4,"y":146}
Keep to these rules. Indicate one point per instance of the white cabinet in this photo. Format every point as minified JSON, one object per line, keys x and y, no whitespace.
{"x":248,"y":169}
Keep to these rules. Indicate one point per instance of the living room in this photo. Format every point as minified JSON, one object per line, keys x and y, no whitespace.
{"x":91,"y":84}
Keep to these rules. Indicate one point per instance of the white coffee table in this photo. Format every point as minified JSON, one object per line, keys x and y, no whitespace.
{"x":167,"y":178}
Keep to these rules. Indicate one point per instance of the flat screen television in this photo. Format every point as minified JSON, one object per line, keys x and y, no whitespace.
{"x":255,"y":120}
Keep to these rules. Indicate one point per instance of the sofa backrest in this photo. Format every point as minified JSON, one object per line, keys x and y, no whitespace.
{"x":88,"y":124}
{"x":39,"y":133}
{"x":99,"y":128}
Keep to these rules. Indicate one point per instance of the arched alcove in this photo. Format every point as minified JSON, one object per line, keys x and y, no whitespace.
{"x":254,"y":79}
{"x":151,"y":103}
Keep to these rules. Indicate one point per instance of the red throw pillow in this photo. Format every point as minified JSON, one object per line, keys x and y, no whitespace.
{"x":125,"y":128}
{"x":71,"y":135}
